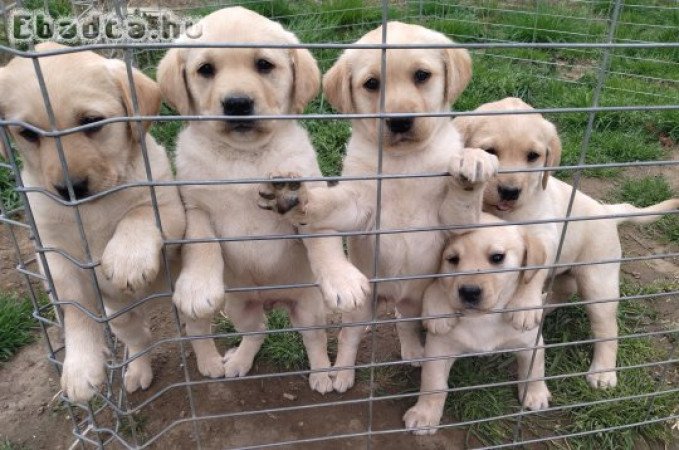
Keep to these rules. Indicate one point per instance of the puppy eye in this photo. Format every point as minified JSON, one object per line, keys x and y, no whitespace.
{"x":29,"y":135}
{"x":421,"y":76}
{"x":491,"y":150}
{"x":372,"y":84}
{"x":453,"y":259}
{"x":496,"y":258}
{"x":264,"y":66}
{"x":91,"y":119}
{"x":206,"y":70}
{"x":532,"y":156}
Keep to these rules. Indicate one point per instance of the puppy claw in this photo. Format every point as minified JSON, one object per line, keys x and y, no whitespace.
{"x":602,"y":380}
{"x":139,"y":374}
{"x":82,"y":375}
{"x":235,"y":365}
{"x":344,"y":288}
{"x":420,"y":420}
{"x":282,"y":196}
{"x":473,"y":168}
{"x":343,"y":380}
{"x":199,"y":295}
{"x":211,"y":367}
{"x":441,"y":325}
{"x":525,"y":320}
{"x":537,"y":397}
{"x":321,"y":382}
{"x":129,"y":262}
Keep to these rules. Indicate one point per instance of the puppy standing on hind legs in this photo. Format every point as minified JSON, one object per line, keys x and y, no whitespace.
{"x":528,"y":140}
{"x":245,"y":82}
{"x":418,"y":81}
{"x":120,"y":227}
{"x":479,"y":329}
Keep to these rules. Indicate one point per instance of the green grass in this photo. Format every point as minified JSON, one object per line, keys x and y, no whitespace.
{"x":8,"y":445}
{"x":16,"y":324}
{"x":8,"y":196}
{"x":285,"y":351}
{"x":648,"y":191}
{"x":570,"y":324}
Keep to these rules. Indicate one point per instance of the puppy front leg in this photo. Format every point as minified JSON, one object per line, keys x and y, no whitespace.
{"x":131,"y":258}
{"x":344,"y":207}
{"x":86,"y":352}
{"x":435,"y":303}
{"x":469,"y":173}
{"x":529,"y":295}
{"x":537,"y":394}
{"x":199,"y":292}
{"x":427,"y":412}
{"x":343,"y":286}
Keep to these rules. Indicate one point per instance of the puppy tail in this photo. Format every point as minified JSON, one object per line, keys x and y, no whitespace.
{"x":655,"y":211}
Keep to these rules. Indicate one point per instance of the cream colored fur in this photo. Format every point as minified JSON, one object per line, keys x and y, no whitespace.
{"x":120,"y":227}
{"x":542,"y":197}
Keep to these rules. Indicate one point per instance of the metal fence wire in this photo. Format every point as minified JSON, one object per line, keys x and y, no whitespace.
{"x":602,"y":71}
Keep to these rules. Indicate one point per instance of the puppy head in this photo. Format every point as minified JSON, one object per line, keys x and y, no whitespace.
{"x":518,"y":140}
{"x":417,"y":81}
{"x":504,"y":247}
{"x":97,"y":158}
{"x":239,"y":81}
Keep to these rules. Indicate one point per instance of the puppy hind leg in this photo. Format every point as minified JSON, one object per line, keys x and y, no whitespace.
{"x":247,"y":316}
{"x":310,"y":312}
{"x":132,"y":328}
{"x":210,"y":362}
{"x":410,"y":331}
{"x":534,"y":394}
{"x":599,"y":283}
{"x":348,"y":342}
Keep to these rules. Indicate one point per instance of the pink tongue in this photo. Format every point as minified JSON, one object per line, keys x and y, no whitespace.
{"x":504,"y":205}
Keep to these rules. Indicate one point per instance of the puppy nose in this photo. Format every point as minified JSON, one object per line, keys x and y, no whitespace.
{"x":238,"y":106}
{"x":470,"y":294}
{"x":508,"y":192}
{"x":400,"y":124}
{"x":80,"y":189}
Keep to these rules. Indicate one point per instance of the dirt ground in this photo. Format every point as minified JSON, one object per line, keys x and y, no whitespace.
{"x":31,"y":418}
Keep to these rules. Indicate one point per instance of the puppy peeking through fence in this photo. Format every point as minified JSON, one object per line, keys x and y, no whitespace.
{"x":120,"y":227}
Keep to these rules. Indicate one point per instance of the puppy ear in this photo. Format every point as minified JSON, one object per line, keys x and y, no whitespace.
{"x":535,"y":255}
{"x":337,"y":85}
{"x":171,"y":76}
{"x":148,"y":93}
{"x":458,"y":67}
{"x":553,"y":153}
{"x":307,"y":79}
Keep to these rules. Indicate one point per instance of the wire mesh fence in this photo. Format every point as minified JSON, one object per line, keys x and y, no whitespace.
{"x":605,"y":72}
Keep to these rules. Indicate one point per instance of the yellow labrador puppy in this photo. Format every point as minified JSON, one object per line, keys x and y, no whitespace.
{"x":478,"y":330}
{"x":528,"y":140}
{"x":120,"y":227}
{"x":417,"y":81}
{"x":243,"y":82}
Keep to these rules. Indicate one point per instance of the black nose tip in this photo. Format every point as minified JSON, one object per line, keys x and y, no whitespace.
{"x":80,"y":189}
{"x":400,"y":124}
{"x":508,"y":192}
{"x":238,"y":106}
{"x":470,"y":294}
